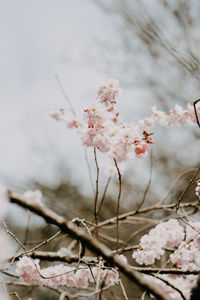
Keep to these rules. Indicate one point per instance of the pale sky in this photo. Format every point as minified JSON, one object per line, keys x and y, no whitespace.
{"x":38,"y":40}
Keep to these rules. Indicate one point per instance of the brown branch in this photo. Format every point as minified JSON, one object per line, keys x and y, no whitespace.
{"x":195,"y":111}
{"x":104,"y":195}
{"x":166,"y":271}
{"x":147,"y":209}
{"x":55,"y":256}
{"x":174,"y":184}
{"x":91,"y":243}
{"x":186,"y":188}
{"x":37,"y":246}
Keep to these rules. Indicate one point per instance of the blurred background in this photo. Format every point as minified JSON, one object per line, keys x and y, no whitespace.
{"x":151,"y":47}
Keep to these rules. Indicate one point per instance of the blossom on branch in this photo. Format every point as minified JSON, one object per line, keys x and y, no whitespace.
{"x":151,"y":247}
{"x":176,"y":116}
{"x":103,"y":129}
{"x":62,"y":275}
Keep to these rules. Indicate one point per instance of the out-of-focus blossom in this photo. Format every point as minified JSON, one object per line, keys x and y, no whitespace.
{"x":176,"y":116}
{"x":111,"y":170}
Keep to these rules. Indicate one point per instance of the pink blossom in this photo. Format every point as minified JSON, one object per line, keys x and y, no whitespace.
{"x":141,"y":150}
{"x":176,"y":116}
{"x":62,"y":275}
{"x":102,"y":127}
{"x":184,"y":283}
{"x":151,"y":247}
{"x":147,"y":122}
{"x":108,"y":91}
{"x":57,"y":114}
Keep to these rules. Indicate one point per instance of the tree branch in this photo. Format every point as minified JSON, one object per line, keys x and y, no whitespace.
{"x":92,"y":244}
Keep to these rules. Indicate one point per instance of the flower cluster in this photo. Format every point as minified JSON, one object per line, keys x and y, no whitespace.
{"x":183,"y":283}
{"x":62,"y":275}
{"x":102,"y":127}
{"x":108,"y":91}
{"x":34,"y":196}
{"x":197,"y":190}
{"x":59,"y":115}
{"x":187,"y":256}
{"x":176,"y":116}
{"x":151,"y":247}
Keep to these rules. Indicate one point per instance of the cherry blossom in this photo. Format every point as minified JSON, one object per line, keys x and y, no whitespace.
{"x":63,"y":275}
{"x":176,"y":116}
{"x":184,"y":283}
{"x":151,"y":247}
{"x":102,"y":127}
{"x":108,"y":91}
{"x":187,"y":256}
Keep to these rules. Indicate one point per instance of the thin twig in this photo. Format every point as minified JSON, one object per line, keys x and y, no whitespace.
{"x":148,"y":209}
{"x":195,"y":111}
{"x":23,"y":247}
{"x":89,"y":169}
{"x":118,"y":203}
{"x":64,"y":94}
{"x":174,"y":184}
{"x":171,"y":285}
{"x":14,"y":294}
{"x":104,"y":195}
{"x":165,"y":271}
{"x":143,"y":295}
{"x":148,"y":185}
{"x":27,"y":228}
{"x":123,"y":289}
{"x":37,"y":246}
{"x":96,"y":192}
{"x":186,"y":188}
